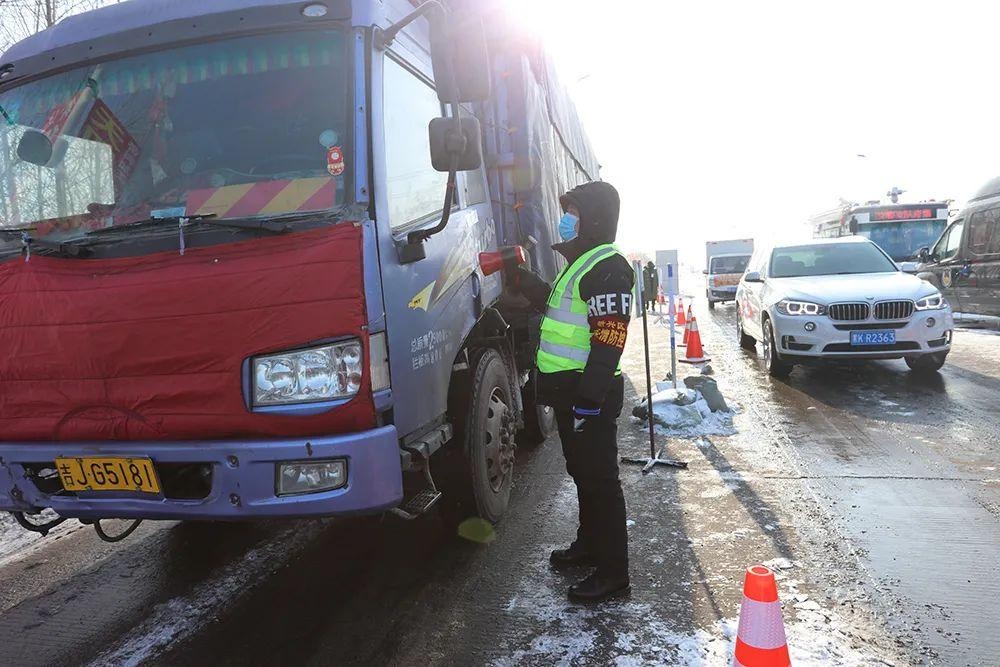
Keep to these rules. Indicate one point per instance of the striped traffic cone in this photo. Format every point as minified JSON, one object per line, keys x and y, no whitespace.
{"x":689,"y":315}
{"x":694,"y":353}
{"x":760,"y":639}
{"x":687,"y":333}
{"x":679,"y":313}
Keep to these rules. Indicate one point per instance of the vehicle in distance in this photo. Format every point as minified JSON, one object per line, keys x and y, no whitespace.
{"x":965,"y":262}
{"x":899,"y":229}
{"x":725,"y":262}
{"x":839,"y":298}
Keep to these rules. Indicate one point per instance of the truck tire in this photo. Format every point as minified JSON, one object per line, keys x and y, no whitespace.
{"x":925,"y":364}
{"x":539,"y":424}
{"x":711,"y":305}
{"x":482,"y":462}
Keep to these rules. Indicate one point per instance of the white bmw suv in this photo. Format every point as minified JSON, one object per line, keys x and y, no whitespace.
{"x":839,"y":298}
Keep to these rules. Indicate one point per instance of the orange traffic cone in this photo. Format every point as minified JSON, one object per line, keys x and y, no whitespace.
{"x":690,"y":316}
{"x":679,"y":313}
{"x":694,"y":354}
{"x":660,"y":299}
{"x":760,"y":639}
{"x":687,"y":333}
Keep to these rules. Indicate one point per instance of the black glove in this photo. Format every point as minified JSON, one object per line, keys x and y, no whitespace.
{"x":529,"y":285}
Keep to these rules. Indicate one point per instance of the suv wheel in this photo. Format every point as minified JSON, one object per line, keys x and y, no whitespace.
{"x":926,"y":363}
{"x":745,"y":341}
{"x":772,"y":361}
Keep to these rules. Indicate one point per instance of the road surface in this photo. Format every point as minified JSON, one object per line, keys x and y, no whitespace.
{"x":873,"y":495}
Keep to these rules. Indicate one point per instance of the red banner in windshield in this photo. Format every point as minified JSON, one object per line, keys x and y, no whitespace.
{"x":103,"y":125}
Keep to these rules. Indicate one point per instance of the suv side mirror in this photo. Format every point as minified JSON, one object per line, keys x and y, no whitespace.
{"x":753,"y":277}
{"x":452,"y":143}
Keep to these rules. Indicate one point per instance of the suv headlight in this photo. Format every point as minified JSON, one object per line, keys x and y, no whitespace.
{"x":789,"y":307}
{"x":303,"y":376}
{"x":930,"y":302}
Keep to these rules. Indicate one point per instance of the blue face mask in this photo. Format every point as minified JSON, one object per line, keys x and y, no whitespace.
{"x":567,"y":226}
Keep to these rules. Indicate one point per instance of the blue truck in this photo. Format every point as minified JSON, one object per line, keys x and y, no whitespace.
{"x":240,"y":249}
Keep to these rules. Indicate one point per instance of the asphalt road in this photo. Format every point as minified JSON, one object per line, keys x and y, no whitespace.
{"x":874,"y":495}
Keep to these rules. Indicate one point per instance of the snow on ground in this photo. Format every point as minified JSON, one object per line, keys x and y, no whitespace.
{"x":16,"y":542}
{"x":645,"y":634}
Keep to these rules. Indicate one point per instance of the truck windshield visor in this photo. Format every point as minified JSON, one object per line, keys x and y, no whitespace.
{"x":903,"y":240}
{"x":723,"y":265}
{"x":244,"y":127}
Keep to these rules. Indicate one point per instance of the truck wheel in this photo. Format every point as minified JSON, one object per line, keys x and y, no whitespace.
{"x":483,"y":461}
{"x":926,"y":364}
{"x":539,"y":423}
{"x":772,"y":362}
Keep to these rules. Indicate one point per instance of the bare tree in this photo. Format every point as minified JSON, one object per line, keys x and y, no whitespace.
{"x":21,"y":18}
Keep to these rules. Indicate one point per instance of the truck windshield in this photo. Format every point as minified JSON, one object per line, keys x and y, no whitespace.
{"x":253,"y":126}
{"x":828,"y":259}
{"x":729,"y":264}
{"x":903,"y":240}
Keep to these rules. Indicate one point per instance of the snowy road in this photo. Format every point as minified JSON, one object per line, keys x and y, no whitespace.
{"x":874,"y":495}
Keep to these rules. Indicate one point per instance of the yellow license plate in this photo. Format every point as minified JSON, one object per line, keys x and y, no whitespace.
{"x":108,"y":474}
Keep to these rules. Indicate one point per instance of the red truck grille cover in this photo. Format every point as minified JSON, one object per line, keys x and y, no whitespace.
{"x":153,"y":347}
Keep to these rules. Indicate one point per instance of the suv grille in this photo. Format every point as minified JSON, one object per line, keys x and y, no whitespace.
{"x":850,"y":312}
{"x":893,"y":310}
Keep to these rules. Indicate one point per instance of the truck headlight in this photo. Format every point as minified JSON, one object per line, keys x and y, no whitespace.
{"x":303,"y":376}
{"x":790,"y":307}
{"x":930,"y":302}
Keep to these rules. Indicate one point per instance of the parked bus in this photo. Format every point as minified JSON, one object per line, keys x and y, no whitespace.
{"x":899,"y":229}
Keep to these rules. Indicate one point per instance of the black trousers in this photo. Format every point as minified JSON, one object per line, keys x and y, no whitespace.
{"x":592,"y":462}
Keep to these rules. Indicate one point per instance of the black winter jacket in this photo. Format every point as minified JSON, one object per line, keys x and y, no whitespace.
{"x":607,"y":288}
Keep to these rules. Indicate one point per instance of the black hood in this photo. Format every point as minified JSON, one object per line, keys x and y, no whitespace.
{"x":598,"y":203}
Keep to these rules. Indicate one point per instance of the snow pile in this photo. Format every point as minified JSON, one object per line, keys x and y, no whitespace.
{"x":685,"y":412}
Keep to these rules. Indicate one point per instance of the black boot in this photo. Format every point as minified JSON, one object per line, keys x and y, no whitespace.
{"x":599,"y":587}
{"x":571,"y":556}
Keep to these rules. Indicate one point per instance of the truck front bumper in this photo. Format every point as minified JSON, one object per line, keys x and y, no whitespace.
{"x":231,"y":479}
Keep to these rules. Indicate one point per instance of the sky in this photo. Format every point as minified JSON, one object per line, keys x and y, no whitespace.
{"x":724,"y":120}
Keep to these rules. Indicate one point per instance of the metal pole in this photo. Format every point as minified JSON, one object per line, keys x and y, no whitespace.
{"x":649,"y":383}
{"x":673,"y":335}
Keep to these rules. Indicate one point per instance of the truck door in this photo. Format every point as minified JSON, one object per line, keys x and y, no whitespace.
{"x":946,"y":268}
{"x":980,"y":291}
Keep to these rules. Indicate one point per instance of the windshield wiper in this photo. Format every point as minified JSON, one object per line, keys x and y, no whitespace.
{"x":273,"y":225}
{"x":60,"y":248}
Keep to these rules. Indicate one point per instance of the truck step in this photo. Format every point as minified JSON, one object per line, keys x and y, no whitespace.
{"x":422,"y":502}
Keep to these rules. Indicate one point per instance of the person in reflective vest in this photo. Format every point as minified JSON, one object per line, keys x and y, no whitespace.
{"x":583,"y":332}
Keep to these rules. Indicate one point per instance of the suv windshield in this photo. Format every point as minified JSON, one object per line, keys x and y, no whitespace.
{"x":902,"y":240}
{"x":252,"y":126}
{"x":729,"y":264}
{"x":828,"y":259}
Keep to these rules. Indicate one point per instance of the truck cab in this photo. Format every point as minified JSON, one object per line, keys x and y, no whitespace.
{"x":240,"y":276}
{"x":725,"y":262}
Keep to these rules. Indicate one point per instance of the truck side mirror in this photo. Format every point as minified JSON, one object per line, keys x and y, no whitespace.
{"x":924,"y":254}
{"x":454,"y":147}
{"x":753,"y":277}
{"x":459,"y":57}
{"x":705,"y":271}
